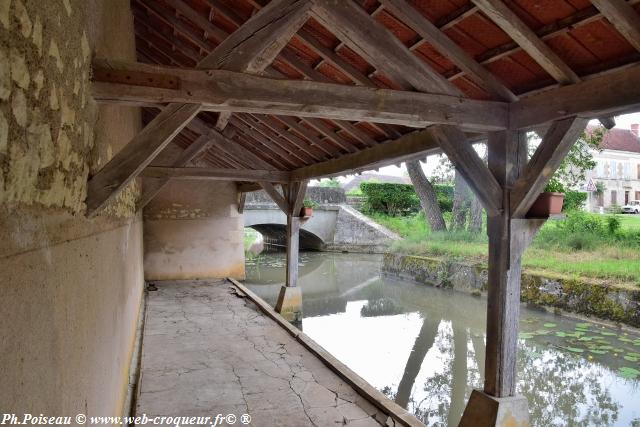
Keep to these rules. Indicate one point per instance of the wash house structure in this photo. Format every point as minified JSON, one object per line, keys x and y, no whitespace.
{"x":130,"y":133}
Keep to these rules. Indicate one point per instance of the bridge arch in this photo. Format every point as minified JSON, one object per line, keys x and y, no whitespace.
{"x":276,"y":235}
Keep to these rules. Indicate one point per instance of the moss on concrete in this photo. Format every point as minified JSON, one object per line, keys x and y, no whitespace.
{"x":618,"y":303}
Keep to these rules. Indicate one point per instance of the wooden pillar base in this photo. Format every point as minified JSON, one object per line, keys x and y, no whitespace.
{"x":488,"y":411}
{"x":289,"y":304}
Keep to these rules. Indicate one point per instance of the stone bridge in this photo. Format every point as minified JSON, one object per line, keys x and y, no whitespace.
{"x":334,"y":226}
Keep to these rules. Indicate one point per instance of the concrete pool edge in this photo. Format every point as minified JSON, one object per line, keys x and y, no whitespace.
{"x":366,"y":390}
{"x":610,"y":303}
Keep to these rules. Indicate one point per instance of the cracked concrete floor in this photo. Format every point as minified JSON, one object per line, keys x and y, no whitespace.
{"x":207,"y":351}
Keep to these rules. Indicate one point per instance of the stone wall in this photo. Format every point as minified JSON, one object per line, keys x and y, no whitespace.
{"x":617,"y":303}
{"x":356,"y":232}
{"x":192,"y":230}
{"x":320,"y":195}
{"x":71,"y":287}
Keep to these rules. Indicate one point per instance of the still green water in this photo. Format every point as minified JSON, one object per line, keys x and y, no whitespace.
{"x":424,"y":347}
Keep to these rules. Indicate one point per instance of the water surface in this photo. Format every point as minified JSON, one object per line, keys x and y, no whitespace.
{"x":424,"y":347}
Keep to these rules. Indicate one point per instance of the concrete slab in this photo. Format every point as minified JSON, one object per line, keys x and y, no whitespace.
{"x":207,"y":351}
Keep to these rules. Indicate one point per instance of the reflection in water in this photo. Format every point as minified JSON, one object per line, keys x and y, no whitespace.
{"x":424,"y":347}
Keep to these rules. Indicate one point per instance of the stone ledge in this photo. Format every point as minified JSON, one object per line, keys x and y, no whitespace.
{"x":617,"y":303}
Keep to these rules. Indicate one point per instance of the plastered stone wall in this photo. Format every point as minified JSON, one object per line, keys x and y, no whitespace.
{"x":192,"y":230}
{"x":70,"y":287}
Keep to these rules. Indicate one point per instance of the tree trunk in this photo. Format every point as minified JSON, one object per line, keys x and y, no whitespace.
{"x":427,"y":196}
{"x":475,"y":220}
{"x":460,"y":204}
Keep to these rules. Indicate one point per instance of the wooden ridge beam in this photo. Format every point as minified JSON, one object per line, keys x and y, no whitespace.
{"x":221,"y":90}
{"x":554,"y":147}
{"x":623,"y":17}
{"x":218,"y":174}
{"x":428,"y":31}
{"x":137,"y":154}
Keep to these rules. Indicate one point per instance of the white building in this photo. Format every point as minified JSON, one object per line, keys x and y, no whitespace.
{"x":617,"y":170}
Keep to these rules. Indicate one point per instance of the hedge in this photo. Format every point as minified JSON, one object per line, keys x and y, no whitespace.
{"x":400,"y":199}
{"x":574,"y":201}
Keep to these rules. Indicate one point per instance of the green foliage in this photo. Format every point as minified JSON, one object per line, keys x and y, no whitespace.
{"x":401,"y":199}
{"x":392,"y":199}
{"x":329,"y":182}
{"x":574,"y":201}
{"x":554,"y":186}
{"x":613,"y":224}
{"x":308,"y":203}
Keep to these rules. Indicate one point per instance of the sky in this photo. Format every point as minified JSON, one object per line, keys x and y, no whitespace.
{"x":622,"y":122}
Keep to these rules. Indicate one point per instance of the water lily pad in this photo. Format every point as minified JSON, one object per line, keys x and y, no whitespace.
{"x":632,"y":354}
{"x":549,"y":325}
{"x":624,"y":339}
{"x":608,"y":334}
{"x":583,"y":325}
{"x":594,"y":351}
{"x":561,"y":334}
{"x":525,"y":335}
{"x":618,"y":350}
{"x":628,"y":373}
{"x":542,"y":332}
{"x":585,"y":339}
{"x":575,"y":350}
{"x":631,"y":358}
{"x":605,"y":347}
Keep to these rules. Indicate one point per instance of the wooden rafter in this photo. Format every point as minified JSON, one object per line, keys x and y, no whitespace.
{"x":428,"y":31}
{"x":623,"y":17}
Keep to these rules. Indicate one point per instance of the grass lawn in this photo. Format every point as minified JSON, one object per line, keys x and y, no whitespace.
{"x":561,"y":247}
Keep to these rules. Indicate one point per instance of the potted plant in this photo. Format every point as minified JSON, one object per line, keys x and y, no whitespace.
{"x":307,"y":208}
{"x":549,"y":202}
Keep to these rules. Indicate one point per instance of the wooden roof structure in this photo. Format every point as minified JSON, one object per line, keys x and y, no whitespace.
{"x":299,"y":89}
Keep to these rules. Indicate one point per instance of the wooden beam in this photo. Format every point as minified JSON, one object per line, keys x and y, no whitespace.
{"x":623,"y":17}
{"x":511,"y":24}
{"x":467,"y":162}
{"x":428,"y":31}
{"x":215,"y":174}
{"x":219,"y":90}
{"x":151,"y":188}
{"x":137,"y":154}
{"x":246,"y":187}
{"x":296,"y":198}
{"x":379,"y":47}
{"x":242,"y":199}
{"x":419,"y":143}
{"x":258,"y":41}
{"x":554,"y":147}
{"x":614,"y":93}
{"x":278,"y":198}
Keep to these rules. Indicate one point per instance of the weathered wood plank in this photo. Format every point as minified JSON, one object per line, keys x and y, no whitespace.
{"x":255,"y":44}
{"x":351,"y":24}
{"x":278,"y":198}
{"x":217,"y":174}
{"x":554,"y":147}
{"x":220,"y":90}
{"x":614,"y":93}
{"x":151,"y":188}
{"x":469,"y":164}
{"x":428,"y":31}
{"x":511,"y":24}
{"x":137,"y":154}
{"x":623,"y":17}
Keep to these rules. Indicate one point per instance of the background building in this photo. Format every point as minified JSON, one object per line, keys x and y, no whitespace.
{"x":617,"y":173}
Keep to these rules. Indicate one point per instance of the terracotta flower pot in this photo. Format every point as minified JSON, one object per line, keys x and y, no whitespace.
{"x":306,"y":212}
{"x":546,"y":204}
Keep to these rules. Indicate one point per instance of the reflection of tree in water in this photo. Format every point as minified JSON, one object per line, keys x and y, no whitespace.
{"x":562,"y":389}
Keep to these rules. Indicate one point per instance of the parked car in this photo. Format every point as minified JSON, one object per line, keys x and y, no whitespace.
{"x":633,"y":207}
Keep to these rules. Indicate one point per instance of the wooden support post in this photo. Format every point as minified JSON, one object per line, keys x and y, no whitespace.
{"x":293,"y":247}
{"x":508,"y":238}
